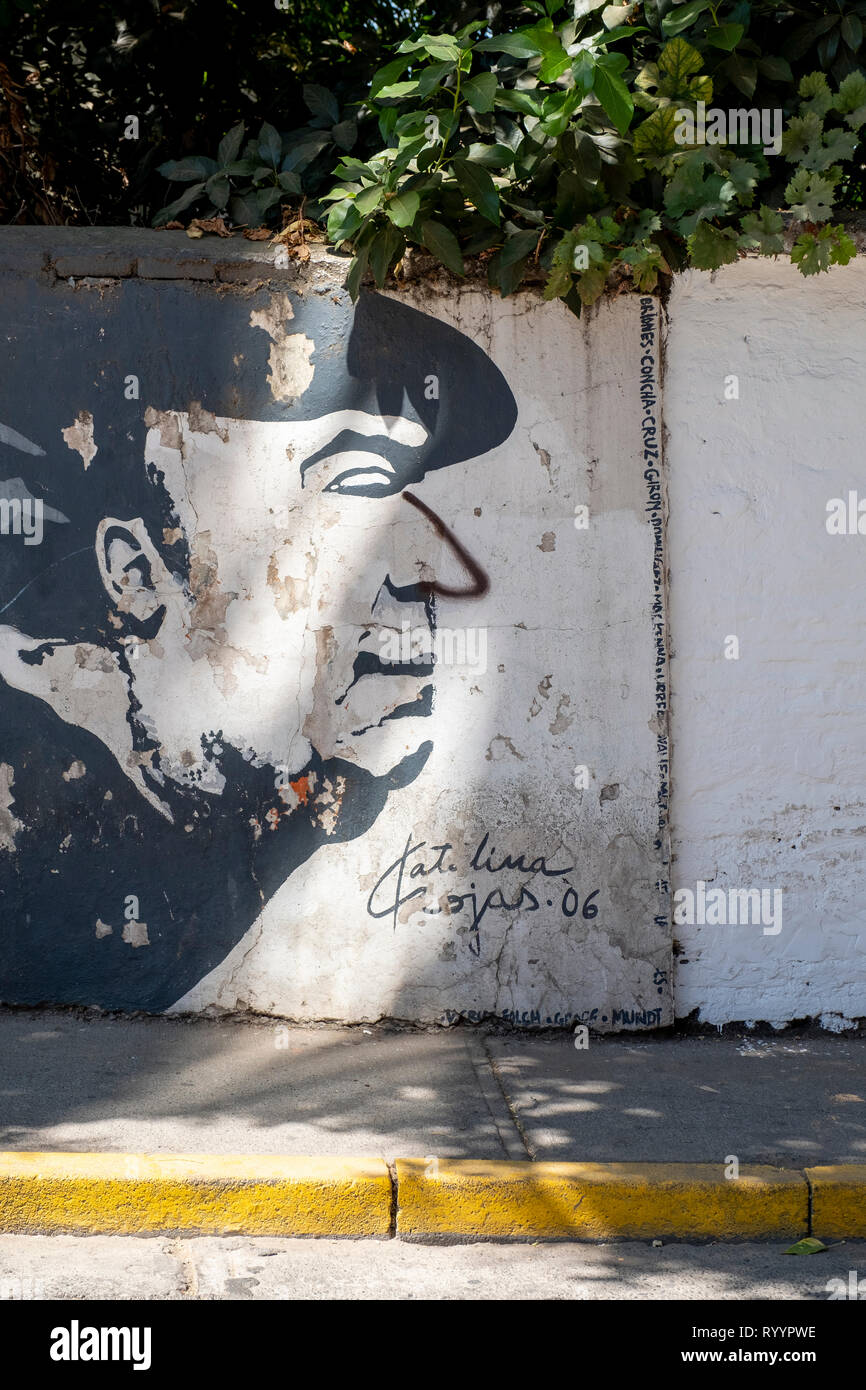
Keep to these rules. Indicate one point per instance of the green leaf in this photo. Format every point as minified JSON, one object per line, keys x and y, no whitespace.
{"x":580,"y":151}
{"x":851,"y":101}
{"x":615,"y":98}
{"x":647,"y":222}
{"x":321,"y":101}
{"x":505,"y":277}
{"x":802,"y":137}
{"x":344,"y":220}
{"x":561,"y":276}
{"x":851,"y":30}
{"x":725,"y":36}
{"x":554,"y":63}
{"x":518,"y":245}
{"x":357,"y":271}
{"x":583,"y":70}
{"x":266,"y":197}
{"x":186,"y":170}
{"x":558,"y":109}
{"x":711,"y":247}
{"x":369,"y":199}
{"x":656,"y":136}
{"x":442,"y":47}
{"x":518,"y":101}
{"x":809,"y":1245}
{"x":290,"y":183}
{"x":590,"y":285}
{"x":432,"y":75}
{"x":813,"y":252}
{"x":762,"y":231}
{"x":613,"y":62}
{"x":398,"y":90}
{"x":478,"y":187}
{"x":810,"y":196}
{"x":344,"y":134}
{"x":388,"y":74}
{"x":518,"y":45}
{"x":683,"y":17}
{"x":218,"y":189}
{"x":269,"y":145}
{"x":646,"y":262}
{"x":623,"y":31}
{"x":743,"y":72}
{"x":742,"y":179}
{"x":492,"y":156}
{"x":776,"y":69}
{"x":694,"y":194}
{"x":230,"y":144}
{"x":838,"y":145}
{"x":844,"y":249}
{"x":385,"y":248}
{"x":403,"y":209}
{"x":442,"y":243}
{"x":678,"y":61}
{"x":350,"y":168}
{"x":339,"y":193}
{"x":168,"y":214}
{"x":304,"y":148}
{"x":244,"y":209}
{"x":815,"y":93}
{"x":480,"y":91}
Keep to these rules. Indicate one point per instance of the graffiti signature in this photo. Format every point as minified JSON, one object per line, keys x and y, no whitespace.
{"x":394,"y":888}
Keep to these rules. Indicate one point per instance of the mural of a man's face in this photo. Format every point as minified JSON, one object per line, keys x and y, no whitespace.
{"x":302,"y":558}
{"x":296,"y":577}
{"x":252,"y":552}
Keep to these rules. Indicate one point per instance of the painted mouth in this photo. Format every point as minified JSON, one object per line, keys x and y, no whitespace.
{"x":367,"y":664}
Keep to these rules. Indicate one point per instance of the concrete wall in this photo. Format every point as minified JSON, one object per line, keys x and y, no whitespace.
{"x":334,"y":684}
{"x":334,"y":669}
{"x":770,"y":744}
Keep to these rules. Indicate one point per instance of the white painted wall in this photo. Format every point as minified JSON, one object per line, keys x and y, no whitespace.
{"x":769,"y":761}
{"x":569,"y":680}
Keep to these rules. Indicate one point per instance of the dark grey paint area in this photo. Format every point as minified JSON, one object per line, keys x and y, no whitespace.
{"x":78,"y":854}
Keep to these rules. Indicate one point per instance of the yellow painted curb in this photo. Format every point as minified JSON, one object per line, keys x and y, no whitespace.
{"x":134,"y":1194}
{"x":597,"y":1201}
{"x":838,"y":1200}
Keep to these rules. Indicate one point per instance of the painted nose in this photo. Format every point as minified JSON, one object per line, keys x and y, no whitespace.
{"x":477,"y":581}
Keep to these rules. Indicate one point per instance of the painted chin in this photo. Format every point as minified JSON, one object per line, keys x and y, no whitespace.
{"x":379,"y":731}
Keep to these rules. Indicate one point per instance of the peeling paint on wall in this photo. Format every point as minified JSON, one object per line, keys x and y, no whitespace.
{"x":8,"y":823}
{"x":273,"y":693}
{"x":79,"y":437}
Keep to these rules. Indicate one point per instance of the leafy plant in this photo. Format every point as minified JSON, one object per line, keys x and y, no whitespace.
{"x":249,"y":182}
{"x":560,"y":148}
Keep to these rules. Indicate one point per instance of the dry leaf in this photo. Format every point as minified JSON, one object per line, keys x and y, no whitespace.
{"x":209,"y":224}
{"x":257,"y":233}
{"x":194,"y":231}
{"x":171,"y":227}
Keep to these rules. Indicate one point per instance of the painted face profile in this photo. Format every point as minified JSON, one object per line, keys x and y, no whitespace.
{"x":214,"y":601}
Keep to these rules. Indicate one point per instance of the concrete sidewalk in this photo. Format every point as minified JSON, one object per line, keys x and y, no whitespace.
{"x":158,"y":1086}
{"x":159,"y":1126}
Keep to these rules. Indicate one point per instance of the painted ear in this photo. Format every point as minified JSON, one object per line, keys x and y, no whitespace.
{"x":129,"y":565}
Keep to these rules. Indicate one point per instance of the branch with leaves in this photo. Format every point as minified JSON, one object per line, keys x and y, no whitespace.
{"x":561,"y":149}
